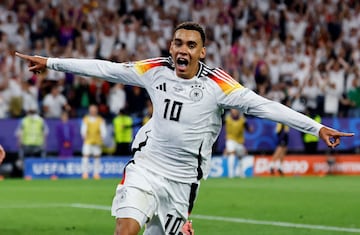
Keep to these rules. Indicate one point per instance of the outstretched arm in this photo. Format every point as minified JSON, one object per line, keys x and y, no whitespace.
{"x":126,"y":73}
{"x":264,"y":108}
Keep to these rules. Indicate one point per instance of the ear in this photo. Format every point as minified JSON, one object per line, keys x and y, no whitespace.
{"x":171,"y":48}
{"x":203,"y":53}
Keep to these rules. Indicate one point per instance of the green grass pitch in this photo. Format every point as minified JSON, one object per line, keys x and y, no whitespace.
{"x":270,"y":206}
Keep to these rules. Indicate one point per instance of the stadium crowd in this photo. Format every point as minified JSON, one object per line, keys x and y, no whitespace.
{"x":307,"y":52}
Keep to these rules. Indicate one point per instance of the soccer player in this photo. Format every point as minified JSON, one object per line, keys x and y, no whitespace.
{"x":2,"y":154}
{"x":172,"y":151}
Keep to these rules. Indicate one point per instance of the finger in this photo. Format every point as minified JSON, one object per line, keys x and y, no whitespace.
{"x":346,"y":134}
{"x":329,"y":143}
{"x":336,"y":141}
{"x":26,"y":57}
{"x":33,"y":68}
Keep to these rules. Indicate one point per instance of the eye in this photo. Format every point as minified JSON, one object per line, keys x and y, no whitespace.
{"x":177,"y":43}
{"x":192,"y":45}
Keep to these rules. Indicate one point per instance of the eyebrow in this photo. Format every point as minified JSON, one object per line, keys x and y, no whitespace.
{"x":187,"y":42}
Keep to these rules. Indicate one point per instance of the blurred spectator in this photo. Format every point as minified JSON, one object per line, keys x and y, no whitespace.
{"x":262,"y":78}
{"x":287,"y":68}
{"x":294,"y":94}
{"x":320,"y":76}
{"x":310,"y":141}
{"x":136,"y":98}
{"x":65,"y":132}
{"x":273,"y":59}
{"x":81,"y":99}
{"x":334,"y":87}
{"x":353,"y":98}
{"x":153,"y":44}
{"x":311,"y":92}
{"x":67,"y":31}
{"x":223,"y":27}
{"x":296,"y":26}
{"x":93,"y":132}
{"x":247,"y":78}
{"x":89,"y":38}
{"x":31,"y":133}
{"x":40,"y":48}
{"x":29,"y":96}
{"x":54,"y":103}
{"x":277,"y":93}
{"x":120,"y":54}
{"x":9,"y":26}
{"x":117,"y":99}
{"x":126,"y":30}
{"x":13,"y":95}
{"x":123,"y":133}
{"x":107,"y":40}
{"x":98,"y":92}
{"x":20,"y":38}
{"x":282,"y":135}
{"x":301,"y":73}
{"x":109,"y":146}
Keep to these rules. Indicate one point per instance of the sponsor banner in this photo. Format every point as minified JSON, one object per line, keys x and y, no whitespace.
{"x":37,"y":168}
{"x":111,"y":167}
{"x":311,"y":165}
{"x":221,"y":167}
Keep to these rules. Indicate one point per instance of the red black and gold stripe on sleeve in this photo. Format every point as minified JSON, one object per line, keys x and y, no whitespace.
{"x":224,"y":80}
{"x":143,"y":66}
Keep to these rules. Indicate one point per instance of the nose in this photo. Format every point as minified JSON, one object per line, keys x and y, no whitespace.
{"x":183,"y":53}
{"x":183,"y":49}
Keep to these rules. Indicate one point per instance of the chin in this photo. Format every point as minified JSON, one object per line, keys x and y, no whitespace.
{"x":180,"y":73}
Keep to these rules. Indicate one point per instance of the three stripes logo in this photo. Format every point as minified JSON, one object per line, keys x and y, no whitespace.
{"x":161,"y":87}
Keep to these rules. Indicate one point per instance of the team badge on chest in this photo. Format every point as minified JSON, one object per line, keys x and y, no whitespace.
{"x":196,"y":92}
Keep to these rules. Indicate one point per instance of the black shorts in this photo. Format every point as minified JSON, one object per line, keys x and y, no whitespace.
{"x":283,"y":139}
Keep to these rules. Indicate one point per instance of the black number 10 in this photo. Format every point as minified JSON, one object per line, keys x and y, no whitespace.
{"x":173,"y":224}
{"x":175,"y":110}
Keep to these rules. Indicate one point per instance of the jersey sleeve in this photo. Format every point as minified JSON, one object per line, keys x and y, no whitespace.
{"x":230,"y":94}
{"x":130,"y":73}
{"x":253,"y":104}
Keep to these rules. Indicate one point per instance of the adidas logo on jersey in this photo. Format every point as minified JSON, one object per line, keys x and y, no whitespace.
{"x":161,"y":87}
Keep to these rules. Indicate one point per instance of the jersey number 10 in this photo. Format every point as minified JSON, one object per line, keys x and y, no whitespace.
{"x":174,"y":107}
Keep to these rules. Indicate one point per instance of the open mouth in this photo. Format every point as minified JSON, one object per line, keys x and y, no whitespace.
{"x":182,"y":63}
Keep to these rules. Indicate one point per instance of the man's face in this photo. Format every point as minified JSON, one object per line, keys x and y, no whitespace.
{"x":186,"y":50}
{"x":93,"y":111}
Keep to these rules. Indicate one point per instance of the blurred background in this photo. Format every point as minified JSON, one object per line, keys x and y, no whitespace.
{"x":303,"y":52}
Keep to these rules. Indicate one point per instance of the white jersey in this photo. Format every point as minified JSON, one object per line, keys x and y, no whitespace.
{"x":177,"y":142}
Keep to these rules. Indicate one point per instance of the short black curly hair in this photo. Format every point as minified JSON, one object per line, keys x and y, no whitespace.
{"x":193,"y":26}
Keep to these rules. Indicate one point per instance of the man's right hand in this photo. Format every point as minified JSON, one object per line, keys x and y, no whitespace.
{"x":187,"y":229}
{"x":37,"y":64}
